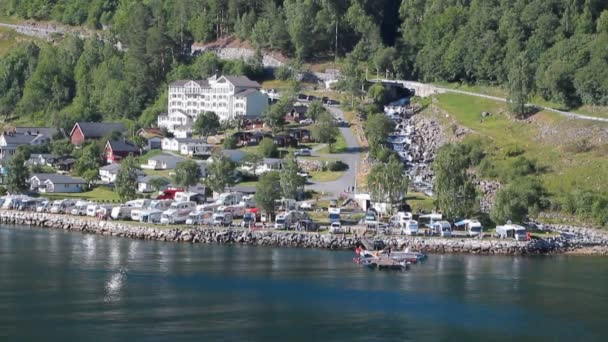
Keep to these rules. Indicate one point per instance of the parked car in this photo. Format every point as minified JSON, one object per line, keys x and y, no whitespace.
{"x":303,"y":152}
{"x":307,"y":122}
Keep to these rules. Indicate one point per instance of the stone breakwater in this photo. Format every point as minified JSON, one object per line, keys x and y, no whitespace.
{"x":552,"y":245}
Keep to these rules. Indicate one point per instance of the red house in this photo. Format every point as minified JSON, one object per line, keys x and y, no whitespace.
{"x":83,"y":131}
{"x":117,"y":150}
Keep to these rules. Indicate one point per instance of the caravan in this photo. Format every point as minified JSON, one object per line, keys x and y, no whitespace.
{"x":410,"y":227}
{"x":190,"y":197}
{"x":287,"y":220}
{"x":150,"y":216}
{"x":400,"y":219}
{"x":442,"y":228}
{"x":200,"y":217}
{"x":222,"y":219}
{"x":471,"y":227}
{"x":121,"y":212}
{"x":512,"y":231}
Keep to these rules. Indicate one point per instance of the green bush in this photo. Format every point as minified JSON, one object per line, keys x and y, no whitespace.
{"x":337,"y":166}
{"x":283,"y":73}
{"x":268,"y":149}
{"x":230,"y":143}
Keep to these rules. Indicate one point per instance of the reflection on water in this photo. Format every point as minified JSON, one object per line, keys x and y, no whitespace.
{"x":84,"y":286}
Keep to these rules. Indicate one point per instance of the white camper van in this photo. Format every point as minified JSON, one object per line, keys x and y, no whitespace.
{"x":410,"y":227}
{"x":177,"y":213}
{"x":200,"y":217}
{"x":62,"y":206}
{"x":161,"y":205}
{"x":222,"y":219}
{"x":80,"y":208}
{"x":121,"y":212}
{"x":442,"y":228}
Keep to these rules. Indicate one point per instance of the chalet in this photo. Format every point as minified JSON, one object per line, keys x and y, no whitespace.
{"x":249,"y":124}
{"x":84,"y":131}
{"x":302,"y":135}
{"x":175,"y":144}
{"x":153,"y":136}
{"x":144,"y":184}
{"x":268,"y":164}
{"x":296,"y":114}
{"x":117,"y":150}
{"x":248,"y":138}
{"x":162,"y":162}
{"x":64,"y":164}
{"x":55,"y":183}
{"x":283,"y":140}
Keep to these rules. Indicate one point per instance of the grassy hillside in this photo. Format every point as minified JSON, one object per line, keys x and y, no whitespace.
{"x":571,"y":154}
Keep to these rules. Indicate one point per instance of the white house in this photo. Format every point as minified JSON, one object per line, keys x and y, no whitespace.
{"x":42,"y":159}
{"x":11,"y":140}
{"x":55,"y":183}
{"x":162,"y":162}
{"x":107,"y":174}
{"x":144,"y":183}
{"x":230,"y":97}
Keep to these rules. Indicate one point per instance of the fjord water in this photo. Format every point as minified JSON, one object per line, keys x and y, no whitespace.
{"x":58,"y":286}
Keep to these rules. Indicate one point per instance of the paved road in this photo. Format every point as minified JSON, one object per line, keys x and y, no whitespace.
{"x":351,"y":157}
{"x":430,"y":88}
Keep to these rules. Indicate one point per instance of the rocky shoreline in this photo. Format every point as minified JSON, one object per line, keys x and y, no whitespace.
{"x":586,"y":243}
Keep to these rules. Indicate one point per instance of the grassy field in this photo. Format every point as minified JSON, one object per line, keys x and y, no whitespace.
{"x":419,"y":201}
{"x":326,"y":176}
{"x":99,"y":194}
{"x":597,"y":111}
{"x":564,"y":171}
{"x":161,"y":173}
{"x":8,"y":39}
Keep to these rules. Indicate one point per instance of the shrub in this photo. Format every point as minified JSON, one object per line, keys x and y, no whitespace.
{"x":268,"y":149}
{"x":282,"y":73}
{"x":337,"y":166}
{"x":513,"y":151}
{"x":230,"y":142}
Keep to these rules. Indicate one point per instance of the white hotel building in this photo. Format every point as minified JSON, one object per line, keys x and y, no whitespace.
{"x":230,"y":97}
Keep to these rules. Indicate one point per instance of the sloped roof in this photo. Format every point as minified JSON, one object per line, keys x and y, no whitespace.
{"x":122,"y":146}
{"x":242,"y":81}
{"x":48,"y":131}
{"x":98,"y":129}
{"x":19,"y":139}
{"x":246,"y":92}
{"x":59,"y":179}
{"x":182,"y":83}
{"x":112,"y":168}
{"x":166,"y":158}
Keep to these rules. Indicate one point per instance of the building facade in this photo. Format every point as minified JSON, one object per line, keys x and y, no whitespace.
{"x":230,"y":97}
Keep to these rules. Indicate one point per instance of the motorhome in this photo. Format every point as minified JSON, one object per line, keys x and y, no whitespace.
{"x":161,"y":205}
{"x":287,"y":220}
{"x":248,"y":220}
{"x":28,"y":204}
{"x":513,"y":231}
{"x":12,"y":202}
{"x":400,"y":219}
{"x":222,"y":219}
{"x":334,"y":215}
{"x":150,"y":216}
{"x":287,"y":204}
{"x":91,"y":210}
{"x":190,"y":197}
{"x":336,"y":228}
{"x":442,"y":228}
{"x":44,"y":206}
{"x":177,"y":213}
{"x":103,"y":211}
{"x":80,"y":208}
{"x":235,"y":210}
{"x":471,"y":227}
{"x":121,"y":212}
{"x":62,"y":206}
{"x":247,"y":201}
{"x":200,"y":217}
{"x":410,"y":227}
{"x":370,"y":219}
{"x":139,"y":203}
{"x":225,"y":199}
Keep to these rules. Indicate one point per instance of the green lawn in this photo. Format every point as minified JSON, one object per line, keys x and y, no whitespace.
{"x":325,"y":176}
{"x":161,"y":173}
{"x":419,"y":201}
{"x":98,"y":194}
{"x":143,"y":159}
{"x":338,"y":147}
{"x":250,"y":183}
{"x":565,"y":171}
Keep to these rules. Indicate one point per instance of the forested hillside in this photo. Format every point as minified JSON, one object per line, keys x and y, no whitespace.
{"x":555,"y":48}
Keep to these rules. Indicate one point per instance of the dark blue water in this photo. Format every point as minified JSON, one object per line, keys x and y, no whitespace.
{"x":58,"y":286}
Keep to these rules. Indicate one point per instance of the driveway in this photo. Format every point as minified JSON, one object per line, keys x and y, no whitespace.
{"x":351,"y":157}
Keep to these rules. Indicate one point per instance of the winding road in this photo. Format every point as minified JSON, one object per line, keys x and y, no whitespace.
{"x":351,"y":157}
